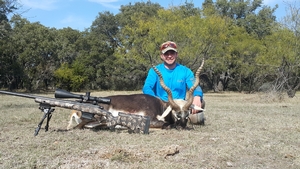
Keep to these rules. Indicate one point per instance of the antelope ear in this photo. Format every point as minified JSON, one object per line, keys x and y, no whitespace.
{"x":196,"y":107}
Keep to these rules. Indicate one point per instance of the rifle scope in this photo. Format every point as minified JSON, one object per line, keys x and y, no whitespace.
{"x":60,"y":93}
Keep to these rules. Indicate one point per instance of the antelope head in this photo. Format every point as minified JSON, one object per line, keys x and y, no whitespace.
{"x":180,"y":108}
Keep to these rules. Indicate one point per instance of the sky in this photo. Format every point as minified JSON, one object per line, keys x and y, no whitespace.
{"x":79,"y":14}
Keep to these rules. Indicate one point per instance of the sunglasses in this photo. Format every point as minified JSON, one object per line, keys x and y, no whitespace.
{"x":170,"y":52}
{"x":169,"y":44}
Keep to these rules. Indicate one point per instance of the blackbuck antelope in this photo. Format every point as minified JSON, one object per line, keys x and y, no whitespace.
{"x":146,"y":105}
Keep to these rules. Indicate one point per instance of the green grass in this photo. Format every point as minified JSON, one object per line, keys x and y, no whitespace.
{"x":241,"y":131}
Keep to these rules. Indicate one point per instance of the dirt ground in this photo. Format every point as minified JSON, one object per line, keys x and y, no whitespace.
{"x":241,"y":131}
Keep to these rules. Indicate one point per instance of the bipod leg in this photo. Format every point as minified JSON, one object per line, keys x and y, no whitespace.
{"x":48,"y":119}
{"x":47,"y":110}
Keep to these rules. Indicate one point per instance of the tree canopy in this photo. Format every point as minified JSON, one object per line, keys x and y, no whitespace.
{"x":243,"y":45}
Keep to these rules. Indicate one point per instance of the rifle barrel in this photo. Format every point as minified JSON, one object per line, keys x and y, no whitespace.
{"x":18,"y":94}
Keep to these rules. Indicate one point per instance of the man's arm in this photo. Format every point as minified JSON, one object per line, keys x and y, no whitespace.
{"x":150,"y":82}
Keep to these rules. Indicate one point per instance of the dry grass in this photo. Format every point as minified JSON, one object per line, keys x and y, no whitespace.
{"x":241,"y":131}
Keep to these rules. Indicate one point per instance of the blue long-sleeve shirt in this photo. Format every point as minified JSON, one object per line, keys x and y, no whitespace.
{"x":178,"y":80}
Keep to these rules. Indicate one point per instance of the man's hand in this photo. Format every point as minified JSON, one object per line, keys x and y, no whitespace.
{"x":196,"y":102}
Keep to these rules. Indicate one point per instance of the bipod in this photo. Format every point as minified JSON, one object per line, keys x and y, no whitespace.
{"x":47,"y":110}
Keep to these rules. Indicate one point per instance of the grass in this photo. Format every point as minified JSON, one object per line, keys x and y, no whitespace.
{"x":242,"y":131}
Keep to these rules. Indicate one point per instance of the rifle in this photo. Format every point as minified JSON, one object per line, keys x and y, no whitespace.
{"x":134,"y":123}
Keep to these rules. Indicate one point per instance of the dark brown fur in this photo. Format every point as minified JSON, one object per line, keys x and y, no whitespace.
{"x":152,"y":106}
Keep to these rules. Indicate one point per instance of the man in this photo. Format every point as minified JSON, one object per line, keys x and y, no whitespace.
{"x":176,"y":76}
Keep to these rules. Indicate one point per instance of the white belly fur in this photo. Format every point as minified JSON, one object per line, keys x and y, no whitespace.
{"x":115,"y":112}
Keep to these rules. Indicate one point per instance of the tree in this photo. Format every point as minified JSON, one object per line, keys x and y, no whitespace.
{"x":11,"y":72}
{"x":241,"y":51}
{"x":6,"y":7}
{"x":292,"y":19}
{"x":71,"y":77}
{"x":248,"y":15}
{"x":128,"y":72}
{"x":70,"y":72}
{"x":148,"y":9}
{"x":281,"y":59}
{"x":36,"y":52}
{"x":291,"y":69}
{"x":106,"y":27}
{"x":69,"y":45}
{"x":9,"y":68}
{"x":103,"y":42}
